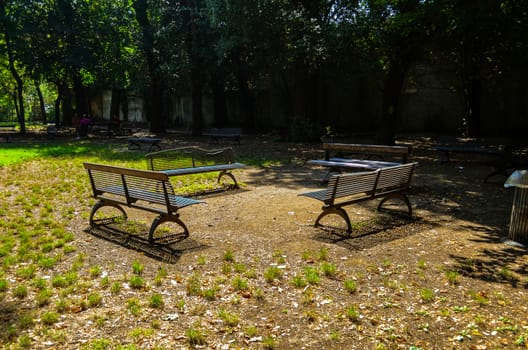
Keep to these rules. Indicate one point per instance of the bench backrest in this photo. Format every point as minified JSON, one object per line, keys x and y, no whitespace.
{"x":188,"y":157}
{"x":132,"y":184}
{"x":401,"y":152}
{"x":369,"y":184}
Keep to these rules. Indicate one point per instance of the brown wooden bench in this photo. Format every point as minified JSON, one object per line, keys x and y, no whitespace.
{"x":503,"y":160}
{"x":7,"y":130}
{"x":224,"y":133}
{"x":136,"y":142}
{"x":140,"y":189}
{"x":334,"y":150}
{"x":346,"y":189}
{"x":194,"y":160}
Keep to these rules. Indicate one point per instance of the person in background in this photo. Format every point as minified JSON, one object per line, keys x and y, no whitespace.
{"x":83,"y":125}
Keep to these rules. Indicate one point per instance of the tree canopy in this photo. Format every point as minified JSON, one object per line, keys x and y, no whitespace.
{"x":245,"y":47}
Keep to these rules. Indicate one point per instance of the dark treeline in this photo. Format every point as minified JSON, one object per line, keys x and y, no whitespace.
{"x":239,"y":48}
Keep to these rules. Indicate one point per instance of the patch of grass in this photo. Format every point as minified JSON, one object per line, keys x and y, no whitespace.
{"x":137,"y":267}
{"x":210,"y":293}
{"x":95,"y":271}
{"x":49,"y":317}
{"x":353,"y":314}
{"x":229,"y":256}
{"x":95,"y":299}
{"x":272,"y":273}
{"x":452,"y":277}
{"x":427,"y":295}
{"x":269,"y":343}
{"x":299,"y":281}
{"x":136,"y":282}
{"x":230,"y":319}
{"x":195,"y":337}
{"x":328,"y":269}
{"x":134,"y":306}
{"x":193,"y":286}
{"x":240,"y":283}
{"x":43,"y":297}
{"x":156,"y":301}
{"x":20,"y":291}
{"x":311,"y":275}
{"x":350,"y":285}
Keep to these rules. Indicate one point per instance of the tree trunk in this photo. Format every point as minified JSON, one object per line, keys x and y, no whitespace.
{"x":391,"y":97}
{"x":115,"y":102}
{"x":219,"y":101}
{"x":19,"y":84}
{"x":473,"y":96}
{"x":154,"y":97}
{"x":42,"y":106}
{"x":197,"y":112}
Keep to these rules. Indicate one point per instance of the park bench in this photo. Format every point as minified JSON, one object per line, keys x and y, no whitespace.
{"x":194,"y":160}
{"x":7,"y":130}
{"x":341,"y":157}
{"x":137,"y":142}
{"x":150,"y":191}
{"x":224,"y":133}
{"x":502,"y":160}
{"x":350,"y":188}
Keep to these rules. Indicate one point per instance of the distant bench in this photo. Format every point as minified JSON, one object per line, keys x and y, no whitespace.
{"x":137,"y":142}
{"x":346,"y":189}
{"x":194,"y":160}
{"x":224,"y":133}
{"x":7,"y":130}
{"x":338,"y":157}
{"x":140,"y":189}
{"x":502,"y":160}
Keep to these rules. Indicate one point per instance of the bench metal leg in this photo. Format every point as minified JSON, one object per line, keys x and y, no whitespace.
{"x":227,"y":173}
{"x":335,"y":210}
{"x":99,"y":205}
{"x":400,"y":196}
{"x":164,"y":218}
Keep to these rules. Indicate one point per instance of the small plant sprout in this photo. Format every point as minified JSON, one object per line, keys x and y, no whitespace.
{"x":353,"y":314}
{"x":452,"y":277}
{"x":137,"y":267}
{"x":328,"y":269}
{"x":299,"y":281}
{"x":134,"y":306}
{"x":94,"y":299}
{"x":240,"y":284}
{"x":195,"y":337}
{"x":323,"y":254}
{"x":427,"y":295}
{"x":272,"y":274}
{"x":136,"y":282}
{"x":201,"y":260}
{"x":312,"y":275}
{"x":229,"y":318}
{"x":229,"y":256}
{"x":350,"y":285}
{"x":156,"y":301}
{"x":95,"y":271}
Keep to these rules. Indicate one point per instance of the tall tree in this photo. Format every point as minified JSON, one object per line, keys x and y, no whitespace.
{"x":392,"y":35}
{"x":10,"y":46}
{"x":482,"y":38}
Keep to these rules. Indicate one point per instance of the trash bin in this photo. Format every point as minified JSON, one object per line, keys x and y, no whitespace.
{"x":519,"y":215}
